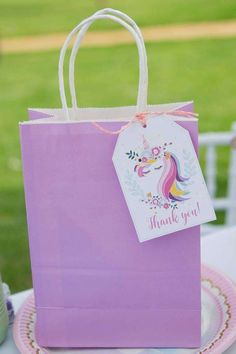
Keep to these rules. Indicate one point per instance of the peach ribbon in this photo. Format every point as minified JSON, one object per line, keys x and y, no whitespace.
{"x":142,"y":119}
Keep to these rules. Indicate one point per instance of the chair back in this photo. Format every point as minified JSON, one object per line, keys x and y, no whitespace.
{"x":211,"y":141}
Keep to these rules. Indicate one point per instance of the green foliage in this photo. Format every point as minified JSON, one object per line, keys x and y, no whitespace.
{"x":200,"y":70}
{"x":132,"y":154}
{"x":30,"y":17}
{"x":133,"y":186}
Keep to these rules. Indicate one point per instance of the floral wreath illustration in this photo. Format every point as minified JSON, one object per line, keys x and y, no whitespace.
{"x":171,"y":185}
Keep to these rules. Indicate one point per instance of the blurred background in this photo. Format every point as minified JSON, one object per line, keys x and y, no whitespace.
{"x":191,"y":46}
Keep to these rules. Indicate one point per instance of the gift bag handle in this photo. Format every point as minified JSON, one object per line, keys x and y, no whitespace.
{"x":142,"y":98}
{"x":143,"y":82}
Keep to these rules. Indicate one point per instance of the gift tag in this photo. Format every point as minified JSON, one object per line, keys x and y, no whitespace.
{"x":161,"y":178}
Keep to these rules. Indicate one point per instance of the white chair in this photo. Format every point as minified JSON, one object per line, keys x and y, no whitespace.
{"x":228,"y":204}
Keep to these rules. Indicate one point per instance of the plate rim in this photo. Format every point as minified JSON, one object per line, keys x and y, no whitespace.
{"x":224,"y":284}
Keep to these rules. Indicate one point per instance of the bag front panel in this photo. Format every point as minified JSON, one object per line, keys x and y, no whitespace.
{"x":83,"y":242}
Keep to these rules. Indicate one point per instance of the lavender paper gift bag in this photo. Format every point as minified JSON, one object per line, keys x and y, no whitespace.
{"x":95,"y":284}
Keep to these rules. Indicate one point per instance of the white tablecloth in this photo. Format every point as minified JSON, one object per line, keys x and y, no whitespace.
{"x":218,"y":250}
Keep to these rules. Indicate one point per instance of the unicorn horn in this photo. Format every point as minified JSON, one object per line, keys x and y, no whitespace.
{"x":145,"y":143}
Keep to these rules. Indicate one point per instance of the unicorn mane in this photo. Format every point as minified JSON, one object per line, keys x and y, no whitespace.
{"x":170,"y":183}
{"x":178,"y":175}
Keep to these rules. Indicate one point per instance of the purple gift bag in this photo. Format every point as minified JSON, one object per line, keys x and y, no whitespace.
{"x":95,"y":284}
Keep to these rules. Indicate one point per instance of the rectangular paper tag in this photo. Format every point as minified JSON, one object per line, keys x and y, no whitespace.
{"x":161,"y":178}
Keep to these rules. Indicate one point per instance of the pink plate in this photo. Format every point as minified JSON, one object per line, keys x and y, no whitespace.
{"x":218,"y":323}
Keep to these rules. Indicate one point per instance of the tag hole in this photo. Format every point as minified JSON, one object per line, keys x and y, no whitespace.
{"x":144,"y":125}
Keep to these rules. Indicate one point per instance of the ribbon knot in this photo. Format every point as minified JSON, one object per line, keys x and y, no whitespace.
{"x":141,"y":117}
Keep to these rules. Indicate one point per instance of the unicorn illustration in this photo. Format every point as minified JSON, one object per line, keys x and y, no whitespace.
{"x":171,"y":184}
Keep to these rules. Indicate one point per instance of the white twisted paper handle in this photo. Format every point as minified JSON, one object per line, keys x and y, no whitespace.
{"x":143,"y":82}
{"x":83,"y":27}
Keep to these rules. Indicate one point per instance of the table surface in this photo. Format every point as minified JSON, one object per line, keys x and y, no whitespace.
{"x":217,"y":250}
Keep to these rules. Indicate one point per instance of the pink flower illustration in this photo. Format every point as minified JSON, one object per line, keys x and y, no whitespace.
{"x":155,"y":151}
{"x":166,"y":205}
{"x":155,"y":202}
